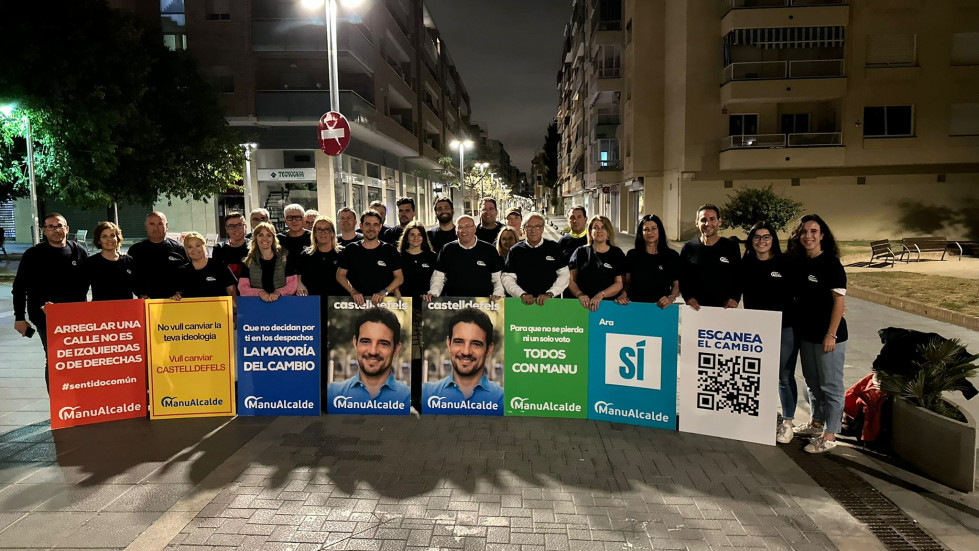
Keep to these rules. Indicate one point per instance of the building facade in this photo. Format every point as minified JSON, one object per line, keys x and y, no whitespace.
{"x":866,"y":112}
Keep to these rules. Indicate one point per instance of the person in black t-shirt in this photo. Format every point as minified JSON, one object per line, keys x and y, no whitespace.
{"x":233,"y":252}
{"x":347,"y":222}
{"x":385,"y":235}
{"x":445,"y":231}
{"x":269,"y":271}
{"x":819,"y":286}
{"x":156,"y":259}
{"x":709,"y":265}
{"x":652,"y":267}
{"x":488,"y":227}
{"x":535,"y":269}
{"x":578,"y":236}
{"x":467,"y":267}
{"x":370,"y":268}
{"x":417,"y":262}
{"x":598,"y":267}
{"x":406,"y":213}
{"x":202,"y":276}
{"x":296,"y":237}
{"x":109,"y":273}
{"x":317,"y":265}
{"x":768,"y":286}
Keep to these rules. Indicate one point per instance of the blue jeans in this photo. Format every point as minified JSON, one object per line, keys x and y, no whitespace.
{"x":788,"y":392}
{"x":823,"y":372}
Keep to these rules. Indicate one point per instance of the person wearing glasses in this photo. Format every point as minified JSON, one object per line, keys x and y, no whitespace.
{"x":597,"y":268}
{"x":467,"y":267}
{"x":296,"y":237}
{"x":203,"y":276}
{"x":317,"y":265}
{"x":50,"y":272}
{"x":269,"y":271}
{"x":710,"y":267}
{"x":110,"y":273}
{"x":370,"y":268}
{"x":232,"y":253}
{"x":535,"y":269}
{"x":445,"y":231}
{"x":257,"y":216}
{"x":767,"y":286}
{"x":309,"y":218}
{"x":156,"y":259}
{"x":652,"y":267}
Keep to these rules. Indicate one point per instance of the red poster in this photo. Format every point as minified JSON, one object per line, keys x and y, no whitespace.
{"x":97,"y":361}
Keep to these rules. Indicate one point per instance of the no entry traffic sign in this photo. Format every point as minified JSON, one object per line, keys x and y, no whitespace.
{"x":334,"y":133}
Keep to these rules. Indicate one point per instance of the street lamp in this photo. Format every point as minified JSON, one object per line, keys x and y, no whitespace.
{"x":330,"y":11}
{"x":461,"y":145}
{"x":249,"y":148}
{"x":7,"y":111}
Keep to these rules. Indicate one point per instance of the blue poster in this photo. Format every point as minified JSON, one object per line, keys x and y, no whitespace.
{"x":632,"y":357}
{"x":279,"y":356}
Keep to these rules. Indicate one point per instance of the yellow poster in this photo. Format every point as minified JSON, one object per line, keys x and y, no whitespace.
{"x":191,"y":357}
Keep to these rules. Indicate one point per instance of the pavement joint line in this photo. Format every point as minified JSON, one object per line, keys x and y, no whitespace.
{"x":159,"y":534}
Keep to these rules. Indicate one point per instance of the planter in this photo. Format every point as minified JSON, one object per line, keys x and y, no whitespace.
{"x":941,"y":448}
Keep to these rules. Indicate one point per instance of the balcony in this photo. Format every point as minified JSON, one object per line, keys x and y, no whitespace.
{"x":752,"y":14}
{"x":605,"y":155}
{"x":309,"y":105}
{"x":798,"y":150}
{"x":804,"y":80}
{"x":768,"y":141}
{"x":355,"y":50}
{"x":768,"y":70}
{"x":739,"y":4}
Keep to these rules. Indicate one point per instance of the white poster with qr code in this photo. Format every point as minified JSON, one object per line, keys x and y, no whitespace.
{"x":728,"y":373}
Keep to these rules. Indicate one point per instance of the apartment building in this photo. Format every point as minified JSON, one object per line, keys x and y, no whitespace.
{"x":865,"y":111}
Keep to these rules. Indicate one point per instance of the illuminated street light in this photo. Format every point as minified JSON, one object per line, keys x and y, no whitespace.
{"x":461,"y":146}
{"x":249,"y":148}
{"x":7,"y":111}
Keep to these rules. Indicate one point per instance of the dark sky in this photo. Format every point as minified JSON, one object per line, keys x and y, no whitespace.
{"x":508,"y":53}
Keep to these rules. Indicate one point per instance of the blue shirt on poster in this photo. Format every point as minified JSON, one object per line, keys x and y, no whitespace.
{"x":445,"y":395}
{"x":394,"y":396}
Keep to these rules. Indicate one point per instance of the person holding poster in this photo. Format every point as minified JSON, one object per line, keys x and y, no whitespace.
{"x":232,"y":253}
{"x":418,"y":260}
{"x":819,"y":286}
{"x":710,"y":267}
{"x":597,"y":268}
{"x":203,"y":277}
{"x":767,"y":286}
{"x":469,"y":340}
{"x":370,"y":268}
{"x":156,"y":259}
{"x":376,"y":344}
{"x":467,"y":267}
{"x":652,"y":267}
{"x":535,"y":269}
{"x":317,"y":265}
{"x":110,"y":273}
{"x":268,"y":272}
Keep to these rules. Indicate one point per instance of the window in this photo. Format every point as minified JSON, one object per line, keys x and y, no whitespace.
{"x":742,"y":125}
{"x":891,"y":50}
{"x":797,"y":123}
{"x":608,"y":61}
{"x":888,"y":121}
{"x":963,"y":119}
{"x":173,"y":21}
{"x":965,"y":49}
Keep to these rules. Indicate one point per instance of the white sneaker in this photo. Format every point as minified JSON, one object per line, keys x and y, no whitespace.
{"x":812,"y":428}
{"x":784,"y":434}
{"x":819,"y":445}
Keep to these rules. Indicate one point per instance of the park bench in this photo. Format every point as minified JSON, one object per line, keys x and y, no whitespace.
{"x":970,"y":248}
{"x":881,"y":249}
{"x":917,"y":245}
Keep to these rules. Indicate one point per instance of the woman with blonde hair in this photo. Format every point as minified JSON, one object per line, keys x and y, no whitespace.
{"x":317,"y":265}
{"x":268,"y":272}
{"x":202,"y":276}
{"x":597,"y":268}
{"x":507,"y":238}
{"x":111,"y":272}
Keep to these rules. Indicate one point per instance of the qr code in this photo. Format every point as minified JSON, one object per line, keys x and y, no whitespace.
{"x":728,"y":383}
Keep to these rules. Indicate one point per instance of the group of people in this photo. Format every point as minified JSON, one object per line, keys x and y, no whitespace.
{"x":361,"y":257}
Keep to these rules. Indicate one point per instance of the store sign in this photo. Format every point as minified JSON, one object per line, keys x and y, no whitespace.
{"x":287,"y":175}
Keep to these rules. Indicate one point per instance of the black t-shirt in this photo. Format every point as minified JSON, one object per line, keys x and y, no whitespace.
{"x":212,"y":280}
{"x":417,"y":270}
{"x":268,"y":270}
{"x":318,"y":271}
{"x":49,"y":274}
{"x":294,"y":245}
{"x":439,"y":238}
{"x":155,"y":266}
{"x":468,"y":272}
{"x":767,"y":285}
{"x":110,"y":280}
{"x":535,"y":267}
{"x":357,"y":237}
{"x":570,"y":244}
{"x":812,"y":282}
{"x":710,"y":274}
{"x":370,"y":270}
{"x":230,"y":256}
{"x":389,"y":234}
{"x":595,"y":271}
{"x":651,"y":276}
{"x":488,"y":234}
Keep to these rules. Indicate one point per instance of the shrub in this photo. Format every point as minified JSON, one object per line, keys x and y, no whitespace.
{"x":752,"y":205}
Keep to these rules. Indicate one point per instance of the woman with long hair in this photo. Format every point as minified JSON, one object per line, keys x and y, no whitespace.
{"x":819,"y":287}
{"x":317,"y":264}
{"x":202,"y":276}
{"x":766,"y":285}
{"x":418,"y":260}
{"x":111,"y":272}
{"x":652,"y":267}
{"x":598,"y":266}
{"x":268,"y":272}
{"x":507,"y":238}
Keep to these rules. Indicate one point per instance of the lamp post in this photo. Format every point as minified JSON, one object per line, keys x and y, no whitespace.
{"x":461,"y":145}
{"x":7,"y":111}
{"x":249,"y":148}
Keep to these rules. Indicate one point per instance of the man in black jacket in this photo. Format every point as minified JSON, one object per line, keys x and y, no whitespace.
{"x":156,"y":259}
{"x":50,"y":272}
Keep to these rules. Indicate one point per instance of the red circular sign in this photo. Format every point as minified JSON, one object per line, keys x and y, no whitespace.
{"x":334,"y":133}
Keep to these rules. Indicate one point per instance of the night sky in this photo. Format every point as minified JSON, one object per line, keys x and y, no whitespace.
{"x":508,"y":53}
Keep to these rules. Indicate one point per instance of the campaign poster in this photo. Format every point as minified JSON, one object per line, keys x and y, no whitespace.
{"x":279,"y":356}
{"x":462,"y":360}
{"x":632,"y":358}
{"x":729,"y":362}
{"x":191,"y":357}
{"x":546,"y":359}
{"x":96,"y":361}
{"x":369,"y":360}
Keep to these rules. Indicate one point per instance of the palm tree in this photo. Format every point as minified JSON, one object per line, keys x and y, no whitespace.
{"x":944,"y":365}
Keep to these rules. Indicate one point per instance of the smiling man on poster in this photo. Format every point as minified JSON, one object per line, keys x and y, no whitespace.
{"x":470,"y":342}
{"x":373,"y":389}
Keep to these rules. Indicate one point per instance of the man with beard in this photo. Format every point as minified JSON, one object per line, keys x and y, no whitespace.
{"x":156,"y":259}
{"x":370,"y":268}
{"x":232,"y":253}
{"x":469,"y":341}
{"x":382,"y":211}
{"x":467,"y":267}
{"x":347,"y":221}
{"x":376,"y":343}
{"x":488,"y":228}
{"x":446,"y":230}
{"x":406,"y":213}
{"x":296,"y":237}
{"x":710,"y":271}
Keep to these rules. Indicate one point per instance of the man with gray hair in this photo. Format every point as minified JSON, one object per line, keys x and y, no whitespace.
{"x":467,"y":267}
{"x":256,"y":217}
{"x":309,"y":218}
{"x":535,"y":269}
{"x":296,"y":237}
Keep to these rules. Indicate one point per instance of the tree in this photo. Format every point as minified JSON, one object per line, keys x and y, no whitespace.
{"x":551,"y":142}
{"x":116,"y":116}
{"x":752,"y":205}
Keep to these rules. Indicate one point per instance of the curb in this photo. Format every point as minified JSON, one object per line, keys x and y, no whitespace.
{"x":912,"y":307}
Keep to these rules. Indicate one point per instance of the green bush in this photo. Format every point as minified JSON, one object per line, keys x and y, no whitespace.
{"x":945,"y":366}
{"x":752,"y":205}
